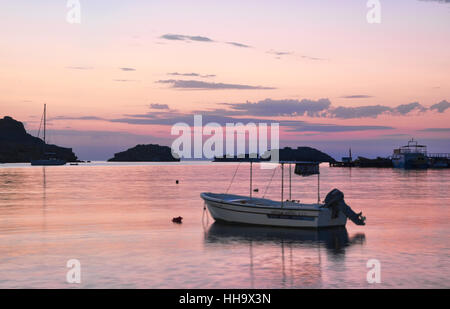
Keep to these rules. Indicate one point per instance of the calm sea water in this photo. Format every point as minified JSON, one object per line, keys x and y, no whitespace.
{"x":116,"y":220}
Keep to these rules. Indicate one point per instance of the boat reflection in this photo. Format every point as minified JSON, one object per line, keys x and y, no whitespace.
{"x":292,"y":257}
{"x":336,"y":240}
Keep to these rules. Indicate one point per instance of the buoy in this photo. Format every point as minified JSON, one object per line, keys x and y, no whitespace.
{"x":177,"y":220}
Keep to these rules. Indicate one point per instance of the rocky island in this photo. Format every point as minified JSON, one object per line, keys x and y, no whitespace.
{"x":17,"y":146}
{"x":145,"y":153}
{"x":287,"y":154}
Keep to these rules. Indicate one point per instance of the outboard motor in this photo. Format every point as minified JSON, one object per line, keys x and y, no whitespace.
{"x":335,"y":201}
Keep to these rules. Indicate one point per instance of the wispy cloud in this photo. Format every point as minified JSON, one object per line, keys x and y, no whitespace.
{"x":357,"y":96}
{"x":127,"y":69}
{"x":125,"y":80}
{"x":436,"y":130}
{"x":190,"y":38}
{"x":312,"y":58}
{"x":78,"y":118}
{"x":159,"y":106}
{"x":181,"y":37}
{"x":279,"y":53}
{"x":197,"y":38}
{"x":201,"y":85}
{"x":239,"y":44}
{"x":79,"y":68}
{"x":191,"y":75}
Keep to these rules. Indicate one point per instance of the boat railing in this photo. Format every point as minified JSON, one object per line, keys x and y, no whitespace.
{"x":439,"y":155}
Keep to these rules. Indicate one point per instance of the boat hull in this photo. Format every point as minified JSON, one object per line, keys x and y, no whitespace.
{"x":410,"y":161}
{"x":290,"y":215}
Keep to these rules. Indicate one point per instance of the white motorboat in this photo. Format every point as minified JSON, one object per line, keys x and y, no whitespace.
{"x":287,"y":213}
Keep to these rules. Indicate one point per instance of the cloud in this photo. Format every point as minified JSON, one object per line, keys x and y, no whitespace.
{"x":357,"y":112}
{"x":357,"y":96}
{"x":395,"y":135}
{"x":80,"y":68}
{"x":238,"y":44}
{"x":407,"y":108}
{"x":436,"y":130}
{"x":440,"y":1}
{"x":201,"y":85}
{"x":127,"y":69}
{"x":181,"y":37}
{"x":372,"y":111}
{"x":269,"y":107}
{"x":264,"y":110}
{"x":197,"y":38}
{"x":329,"y":128}
{"x":191,"y":74}
{"x":289,"y":125}
{"x":279,"y":53}
{"x":319,"y":108}
{"x":125,"y":80}
{"x":159,"y":106}
{"x":312,"y":58}
{"x":78,"y":118}
{"x":441,"y":106}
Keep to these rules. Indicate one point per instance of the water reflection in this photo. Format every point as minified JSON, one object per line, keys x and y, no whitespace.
{"x":336,"y":240}
{"x":299,"y":262}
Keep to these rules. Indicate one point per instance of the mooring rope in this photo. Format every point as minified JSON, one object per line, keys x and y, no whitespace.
{"x":232,"y":179}
{"x":268,"y":185}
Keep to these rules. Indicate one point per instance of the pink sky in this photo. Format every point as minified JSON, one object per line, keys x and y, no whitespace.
{"x":303,"y":49}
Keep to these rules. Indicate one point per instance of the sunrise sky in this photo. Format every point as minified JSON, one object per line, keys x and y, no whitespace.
{"x":132,"y":69}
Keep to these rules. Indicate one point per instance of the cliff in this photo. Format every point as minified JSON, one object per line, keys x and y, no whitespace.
{"x":16,"y":145}
{"x":145,"y":153}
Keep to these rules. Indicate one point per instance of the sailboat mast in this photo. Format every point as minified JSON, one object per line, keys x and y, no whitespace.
{"x":318,"y":188}
{"x":282,"y":184}
{"x":251,"y":178}
{"x":290,"y":181}
{"x":45,"y":120}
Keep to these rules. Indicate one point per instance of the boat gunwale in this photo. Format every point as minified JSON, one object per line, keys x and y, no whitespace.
{"x":207,"y":197}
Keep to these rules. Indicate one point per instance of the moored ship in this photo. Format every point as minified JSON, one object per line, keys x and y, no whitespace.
{"x":411,"y":156}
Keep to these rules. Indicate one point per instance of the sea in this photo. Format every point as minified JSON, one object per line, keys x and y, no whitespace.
{"x":112,"y":224}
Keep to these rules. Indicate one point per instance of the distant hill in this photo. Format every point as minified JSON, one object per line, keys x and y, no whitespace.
{"x":16,"y":145}
{"x":304,"y":154}
{"x":145,"y":153}
{"x":289,"y":154}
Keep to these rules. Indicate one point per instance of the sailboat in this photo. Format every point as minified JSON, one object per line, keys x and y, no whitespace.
{"x":233,"y":208}
{"x":48,"y":159}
